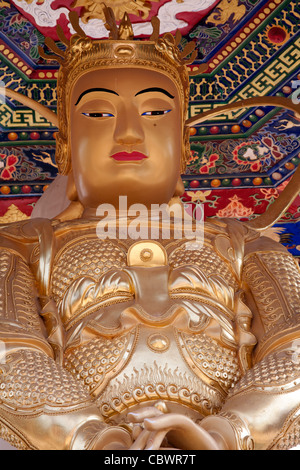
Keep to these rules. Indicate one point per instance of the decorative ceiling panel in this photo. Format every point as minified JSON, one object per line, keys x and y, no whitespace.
{"x":173,"y":14}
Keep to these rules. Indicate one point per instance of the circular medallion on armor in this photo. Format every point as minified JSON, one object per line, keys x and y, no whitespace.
{"x":146,"y":255}
{"x":158,"y":342}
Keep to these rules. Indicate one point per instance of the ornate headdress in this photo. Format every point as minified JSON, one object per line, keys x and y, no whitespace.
{"x":120,"y":50}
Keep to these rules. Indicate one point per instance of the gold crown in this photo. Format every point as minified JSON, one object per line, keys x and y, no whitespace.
{"x":119,"y":50}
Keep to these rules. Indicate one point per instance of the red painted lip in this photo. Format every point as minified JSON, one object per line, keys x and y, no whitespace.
{"x":128,"y":157}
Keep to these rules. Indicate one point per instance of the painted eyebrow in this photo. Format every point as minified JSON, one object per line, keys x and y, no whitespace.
{"x":160,"y":90}
{"x":90,"y":90}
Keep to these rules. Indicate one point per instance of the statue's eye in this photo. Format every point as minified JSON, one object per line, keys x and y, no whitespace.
{"x":98,"y":115}
{"x":156,"y":113}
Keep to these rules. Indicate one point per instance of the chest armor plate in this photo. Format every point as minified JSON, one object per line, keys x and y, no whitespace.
{"x":141,"y":329}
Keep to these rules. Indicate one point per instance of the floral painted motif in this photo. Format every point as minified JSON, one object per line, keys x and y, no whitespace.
{"x":210,"y":166}
{"x":204,"y":162}
{"x":198,"y":196}
{"x":257,"y":154}
{"x":235,"y":209}
{"x":18,"y":29}
{"x":269,"y":193}
{"x":13,"y":214}
{"x":15,"y":23}
{"x":9,"y":166}
{"x":248,"y":153}
{"x":17,"y":165}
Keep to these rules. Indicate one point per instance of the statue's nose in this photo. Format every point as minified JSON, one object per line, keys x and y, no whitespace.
{"x":128,"y":130}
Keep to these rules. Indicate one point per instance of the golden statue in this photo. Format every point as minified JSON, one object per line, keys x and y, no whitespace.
{"x":153,"y":342}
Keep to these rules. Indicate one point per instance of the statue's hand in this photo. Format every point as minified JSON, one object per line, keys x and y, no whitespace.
{"x":182,"y":432}
{"x":111,"y":438}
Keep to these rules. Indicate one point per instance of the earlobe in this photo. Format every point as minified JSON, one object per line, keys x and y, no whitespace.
{"x":176,"y":199}
{"x":75,"y":209}
{"x":179,"y":190}
{"x":71,"y":188}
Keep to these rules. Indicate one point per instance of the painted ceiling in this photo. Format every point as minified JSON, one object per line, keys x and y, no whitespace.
{"x":240,"y":161}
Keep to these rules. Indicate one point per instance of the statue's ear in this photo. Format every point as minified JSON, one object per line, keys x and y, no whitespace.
{"x":41,"y":109}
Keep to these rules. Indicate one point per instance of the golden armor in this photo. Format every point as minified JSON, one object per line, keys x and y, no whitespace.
{"x":141,"y":342}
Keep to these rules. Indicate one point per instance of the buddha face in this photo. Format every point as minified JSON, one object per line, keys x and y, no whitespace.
{"x":126,"y":137}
